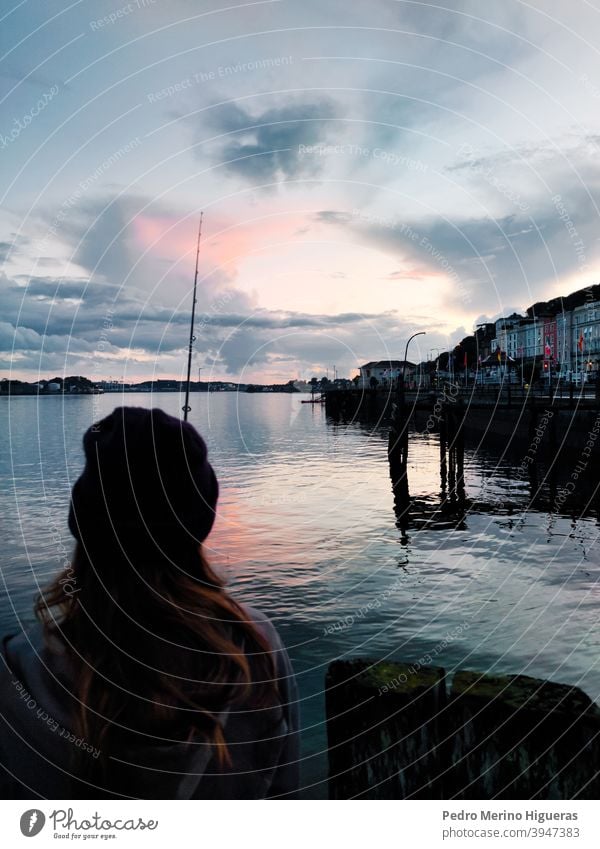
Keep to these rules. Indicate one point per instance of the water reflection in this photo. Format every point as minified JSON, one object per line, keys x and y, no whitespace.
{"x":449,"y":510}
{"x":506,"y":484}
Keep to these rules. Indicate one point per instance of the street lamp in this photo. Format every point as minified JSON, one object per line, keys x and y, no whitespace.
{"x":420,"y":333}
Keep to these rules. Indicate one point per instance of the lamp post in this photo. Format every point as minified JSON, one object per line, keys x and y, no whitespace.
{"x":420,"y":333}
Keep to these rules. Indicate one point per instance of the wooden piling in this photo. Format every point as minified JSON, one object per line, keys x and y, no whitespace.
{"x":382,"y":726}
{"x":443,"y":447}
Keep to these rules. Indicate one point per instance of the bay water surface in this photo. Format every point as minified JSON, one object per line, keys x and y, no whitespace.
{"x":306,"y":531}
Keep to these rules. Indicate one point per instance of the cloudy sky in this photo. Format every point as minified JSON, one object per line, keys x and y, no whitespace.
{"x":366,"y":171}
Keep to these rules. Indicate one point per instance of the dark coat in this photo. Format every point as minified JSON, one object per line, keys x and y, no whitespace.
{"x":36,"y":743}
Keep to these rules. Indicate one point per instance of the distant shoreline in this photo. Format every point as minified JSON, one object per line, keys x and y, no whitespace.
{"x":149,"y":392}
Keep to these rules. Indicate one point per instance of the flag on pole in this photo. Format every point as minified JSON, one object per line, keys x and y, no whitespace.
{"x":465,"y":359}
{"x":580,"y":342}
{"x":548,"y":349}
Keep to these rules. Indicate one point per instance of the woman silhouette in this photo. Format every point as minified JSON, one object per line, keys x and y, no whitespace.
{"x":144,"y":678}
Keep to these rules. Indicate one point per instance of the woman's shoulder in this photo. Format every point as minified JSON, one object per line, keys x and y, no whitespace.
{"x":269,"y":631}
{"x":21,"y":646}
{"x":33,"y":642}
{"x":37,"y":657}
{"x":263,"y":623}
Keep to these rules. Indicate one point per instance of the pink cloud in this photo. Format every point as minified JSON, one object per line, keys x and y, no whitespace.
{"x":224,"y":246}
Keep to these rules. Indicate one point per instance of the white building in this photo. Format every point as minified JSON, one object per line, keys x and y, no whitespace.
{"x":385,"y":372}
{"x":519,"y":337}
{"x":507,"y":334}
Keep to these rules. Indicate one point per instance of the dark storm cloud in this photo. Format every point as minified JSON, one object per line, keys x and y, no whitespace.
{"x":346,"y":339}
{"x":267,"y":148}
{"x":265,"y":319}
{"x":57,"y":290}
{"x":333,"y":216}
{"x":102,"y":247}
{"x":242,"y":349}
{"x":78,"y":309}
{"x":98,"y":232}
{"x":24,"y":339}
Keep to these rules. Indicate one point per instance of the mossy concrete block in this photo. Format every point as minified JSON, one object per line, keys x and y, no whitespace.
{"x":516,"y":737}
{"x":383,"y":730}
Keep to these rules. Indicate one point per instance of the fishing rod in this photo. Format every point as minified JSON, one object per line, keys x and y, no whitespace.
{"x":186,"y":407}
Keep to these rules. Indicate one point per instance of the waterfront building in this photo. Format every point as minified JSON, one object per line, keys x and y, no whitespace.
{"x":564,"y":343}
{"x":558,"y":338}
{"x":385,"y":372}
{"x":585,"y":340}
{"x":530,"y":339}
{"x":507,"y":334}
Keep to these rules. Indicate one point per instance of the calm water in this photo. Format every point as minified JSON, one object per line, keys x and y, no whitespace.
{"x":307,"y":532}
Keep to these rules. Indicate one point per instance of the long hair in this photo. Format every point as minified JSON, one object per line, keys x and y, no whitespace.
{"x":158,"y":652}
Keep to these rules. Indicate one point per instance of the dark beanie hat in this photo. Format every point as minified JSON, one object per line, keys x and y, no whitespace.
{"x":147,"y":487}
